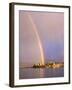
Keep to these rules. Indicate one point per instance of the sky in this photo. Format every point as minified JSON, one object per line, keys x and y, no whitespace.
{"x":50,"y":28}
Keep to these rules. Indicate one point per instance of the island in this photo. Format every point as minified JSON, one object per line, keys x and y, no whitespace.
{"x":49,"y":65}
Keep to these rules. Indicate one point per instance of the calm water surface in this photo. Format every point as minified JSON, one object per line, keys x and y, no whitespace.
{"x":29,"y":73}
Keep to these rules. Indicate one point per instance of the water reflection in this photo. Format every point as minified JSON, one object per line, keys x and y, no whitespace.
{"x":29,"y":73}
{"x":41,"y":71}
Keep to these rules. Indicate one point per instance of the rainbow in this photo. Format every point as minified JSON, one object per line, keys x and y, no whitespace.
{"x":38,"y":39}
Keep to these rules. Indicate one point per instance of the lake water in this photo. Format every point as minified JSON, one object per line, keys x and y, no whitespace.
{"x":29,"y":73}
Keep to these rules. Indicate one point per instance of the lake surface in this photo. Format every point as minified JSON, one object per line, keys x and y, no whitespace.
{"x":29,"y":73}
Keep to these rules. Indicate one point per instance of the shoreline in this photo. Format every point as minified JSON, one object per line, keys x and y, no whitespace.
{"x":47,"y":65}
